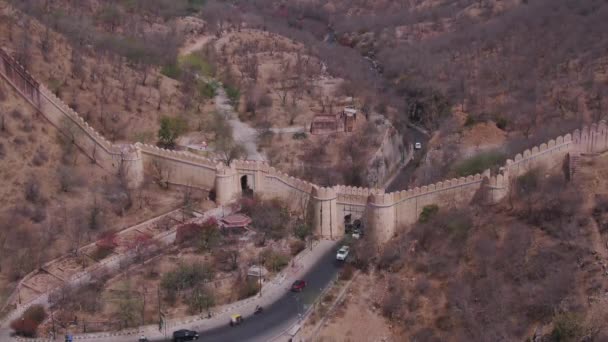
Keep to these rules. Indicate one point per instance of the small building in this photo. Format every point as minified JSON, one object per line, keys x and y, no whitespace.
{"x":327,"y":124}
{"x":350,"y":117}
{"x":235,"y":222}
{"x":324,"y":124}
{"x":258,"y":273}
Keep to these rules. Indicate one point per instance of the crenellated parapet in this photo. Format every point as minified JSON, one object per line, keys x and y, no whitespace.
{"x":385,"y":212}
{"x":179,"y":156}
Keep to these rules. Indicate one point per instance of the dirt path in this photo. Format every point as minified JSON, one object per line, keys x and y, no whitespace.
{"x":242,"y":132}
{"x":194,"y":44}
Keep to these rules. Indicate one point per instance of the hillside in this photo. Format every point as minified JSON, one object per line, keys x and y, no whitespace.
{"x":53,"y":198}
{"x":470,"y":83}
{"x":113,"y":79}
{"x":534,"y":265}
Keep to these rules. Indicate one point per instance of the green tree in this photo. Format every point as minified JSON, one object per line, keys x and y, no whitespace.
{"x":186,"y":276}
{"x":201,"y":299}
{"x":210,"y":236}
{"x":302,"y":230}
{"x":170,"y":129}
{"x":129,"y":306}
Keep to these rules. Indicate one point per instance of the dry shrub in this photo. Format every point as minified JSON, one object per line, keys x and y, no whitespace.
{"x":32,"y":190}
{"x":187,"y":233}
{"x":328,"y":298}
{"x":19,"y":141}
{"x":16,"y":114}
{"x":28,"y":323}
{"x":24,"y":327}
{"x":347,"y":272}
{"x":296,"y":247}
{"x":393,"y":302}
{"x":422,"y":286}
{"x":27,"y":126}
{"x":40,"y":158}
{"x":245,"y":287}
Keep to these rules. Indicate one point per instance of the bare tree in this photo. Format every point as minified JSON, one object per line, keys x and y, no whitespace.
{"x":78,"y":71}
{"x":46,"y":44}
{"x":161,"y":173}
{"x":225,"y":147}
{"x":24,"y":47}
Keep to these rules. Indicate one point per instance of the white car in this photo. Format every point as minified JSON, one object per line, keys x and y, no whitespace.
{"x":342,"y":253}
{"x":356,"y":234}
{"x":417,"y":146}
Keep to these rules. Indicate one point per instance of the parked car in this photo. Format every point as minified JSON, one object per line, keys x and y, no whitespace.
{"x":417,"y":146}
{"x":184,"y":335}
{"x":298,"y":286}
{"x":342,"y":253}
{"x":357,"y":233}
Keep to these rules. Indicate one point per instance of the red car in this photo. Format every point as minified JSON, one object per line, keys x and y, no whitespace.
{"x":298,"y":285}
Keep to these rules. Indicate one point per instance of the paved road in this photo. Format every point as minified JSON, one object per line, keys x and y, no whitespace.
{"x":281,"y":315}
{"x":403,"y":179}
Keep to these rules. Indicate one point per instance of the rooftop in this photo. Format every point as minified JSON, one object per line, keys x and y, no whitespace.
{"x":235,"y":221}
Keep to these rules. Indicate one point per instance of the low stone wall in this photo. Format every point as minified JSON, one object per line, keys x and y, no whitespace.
{"x":110,"y":265}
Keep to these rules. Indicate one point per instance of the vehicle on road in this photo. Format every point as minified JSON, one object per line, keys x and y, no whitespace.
{"x":342,"y":253}
{"x":258,"y":310}
{"x":184,"y":335}
{"x":236,"y":319}
{"x":142,"y":338}
{"x":298,"y":285}
{"x":417,"y":146}
{"x":357,"y":234}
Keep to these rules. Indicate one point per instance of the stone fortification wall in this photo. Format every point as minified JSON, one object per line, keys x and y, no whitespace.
{"x":178,"y":168}
{"x":385,"y":212}
{"x":62,"y":116}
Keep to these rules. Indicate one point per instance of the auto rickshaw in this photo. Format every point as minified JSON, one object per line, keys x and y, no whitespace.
{"x":235,"y":319}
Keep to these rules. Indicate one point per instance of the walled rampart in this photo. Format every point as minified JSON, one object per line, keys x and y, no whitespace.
{"x":384,"y":211}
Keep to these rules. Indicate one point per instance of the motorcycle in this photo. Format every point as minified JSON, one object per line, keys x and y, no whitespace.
{"x":258,"y":310}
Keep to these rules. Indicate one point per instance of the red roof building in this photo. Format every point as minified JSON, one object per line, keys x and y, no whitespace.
{"x":235,"y":221}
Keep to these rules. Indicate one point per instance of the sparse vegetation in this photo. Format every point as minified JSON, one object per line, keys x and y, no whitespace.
{"x":479,"y":163}
{"x":464,"y":274}
{"x":427,"y":212}
{"x":170,"y":129}
{"x":27,"y":324}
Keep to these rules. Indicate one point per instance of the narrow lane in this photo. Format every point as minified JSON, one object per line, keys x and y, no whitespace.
{"x":404,"y":178}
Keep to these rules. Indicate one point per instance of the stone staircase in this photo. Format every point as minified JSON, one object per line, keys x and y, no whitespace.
{"x":574,"y":160}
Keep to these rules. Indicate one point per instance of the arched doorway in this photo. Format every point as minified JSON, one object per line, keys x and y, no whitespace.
{"x":245,"y":188}
{"x":348,"y":226}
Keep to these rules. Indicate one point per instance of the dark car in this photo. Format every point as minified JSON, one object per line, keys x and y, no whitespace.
{"x":184,"y":335}
{"x":298,"y":285}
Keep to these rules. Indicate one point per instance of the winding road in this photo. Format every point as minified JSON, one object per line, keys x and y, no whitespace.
{"x":403,"y":179}
{"x":281,"y":315}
